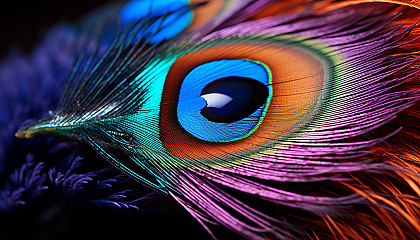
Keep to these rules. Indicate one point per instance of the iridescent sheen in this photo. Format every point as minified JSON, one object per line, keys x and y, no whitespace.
{"x":336,"y":76}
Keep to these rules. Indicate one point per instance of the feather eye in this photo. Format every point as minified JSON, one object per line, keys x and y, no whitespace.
{"x":232,"y":97}
{"x":223,"y":114}
{"x":292,"y":93}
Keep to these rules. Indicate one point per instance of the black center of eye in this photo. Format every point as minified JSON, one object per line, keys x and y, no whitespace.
{"x":231,"y":99}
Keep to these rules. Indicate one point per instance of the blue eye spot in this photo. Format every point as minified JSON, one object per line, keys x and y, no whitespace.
{"x":171,"y":26}
{"x":225,"y":100}
{"x":231,"y":99}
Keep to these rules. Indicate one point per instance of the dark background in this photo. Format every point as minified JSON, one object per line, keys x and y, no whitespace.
{"x":22,"y":22}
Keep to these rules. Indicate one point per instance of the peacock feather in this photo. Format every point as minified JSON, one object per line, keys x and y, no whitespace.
{"x":273,"y":119}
